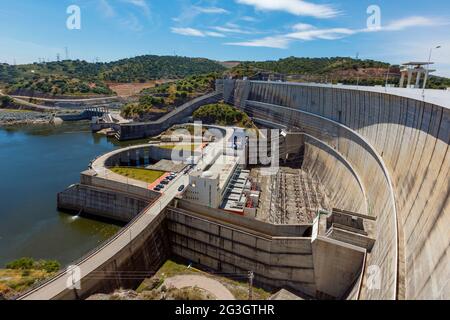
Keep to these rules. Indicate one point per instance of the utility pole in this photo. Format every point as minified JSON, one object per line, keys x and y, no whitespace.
{"x":67,"y":53}
{"x":58,"y":57}
{"x":251,"y":276}
{"x":428,"y":70}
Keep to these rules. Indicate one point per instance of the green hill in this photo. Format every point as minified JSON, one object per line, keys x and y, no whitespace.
{"x":294,"y":65}
{"x":75,"y":77}
{"x":335,"y":69}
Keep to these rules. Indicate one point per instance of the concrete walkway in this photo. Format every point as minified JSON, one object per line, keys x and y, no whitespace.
{"x":212,"y":286}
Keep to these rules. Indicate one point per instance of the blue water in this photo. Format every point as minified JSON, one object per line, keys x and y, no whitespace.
{"x":36,"y":162}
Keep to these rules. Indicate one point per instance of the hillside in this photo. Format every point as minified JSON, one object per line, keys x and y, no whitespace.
{"x":336,"y":69}
{"x":75,"y":77}
{"x":154,"y":102}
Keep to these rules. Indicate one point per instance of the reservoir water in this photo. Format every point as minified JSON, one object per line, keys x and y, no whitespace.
{"x":37,"y":162}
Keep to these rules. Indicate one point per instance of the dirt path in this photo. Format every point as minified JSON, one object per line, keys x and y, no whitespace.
{"x":212,"y":286}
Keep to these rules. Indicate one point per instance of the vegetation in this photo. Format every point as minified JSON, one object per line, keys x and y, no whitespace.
{"x":5,"y":101}
{"x":150,"y":67}
{"x":239,"y":288}
{"x":145,"y":175}
{"x":163,"y":98}
{"x":224,"y":115}
{"x":336,"y":69}
{"x":435,"y":82}
{"x":21,"y":274}
{"x":293,"y":65}
{"x":59,"y":85}
{"x":31,"y":264}
{"x":75,"y":77}
{"x":146,"y":104}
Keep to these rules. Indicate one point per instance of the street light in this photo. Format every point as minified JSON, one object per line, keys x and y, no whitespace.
{"x":428,"y":70}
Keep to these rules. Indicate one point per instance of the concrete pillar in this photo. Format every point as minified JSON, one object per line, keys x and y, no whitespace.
{"x":419,"y":74}
{"x":402,"y":79}
{"x":427,"y":73}
{"x":410,"y":72}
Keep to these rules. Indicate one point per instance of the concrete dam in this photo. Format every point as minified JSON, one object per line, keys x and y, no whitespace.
{"x":384,"y":163}
{"x":398,"y":149}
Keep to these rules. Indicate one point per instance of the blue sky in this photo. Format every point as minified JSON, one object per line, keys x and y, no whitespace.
{"x":226,"y":30}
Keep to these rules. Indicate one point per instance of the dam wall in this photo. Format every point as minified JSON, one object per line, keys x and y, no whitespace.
{"x":139,"y":259}
{"x":214,"y":240}
{"x":101,"y":202}
{"x":398,"y":146}
{"x":344,"y":187}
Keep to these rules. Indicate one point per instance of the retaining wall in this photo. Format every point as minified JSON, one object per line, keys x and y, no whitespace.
{"x":213,"y":239}
{"x":101,"y":202}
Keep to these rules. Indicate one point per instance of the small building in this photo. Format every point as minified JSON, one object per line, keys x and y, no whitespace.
{"x":411,"y":70}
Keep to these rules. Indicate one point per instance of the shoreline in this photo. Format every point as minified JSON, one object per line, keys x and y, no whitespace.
{"x":11,"y":117}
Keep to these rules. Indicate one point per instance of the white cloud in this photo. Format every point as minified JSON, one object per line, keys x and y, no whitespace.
{"x":191,"y":32}
{"x":231,"y":28}
{"x":248,"y":19}
{"x":415,"y":21}
{"x":214,"y":34}
{"x":302,"y":27}
{"x":323,"y":34}
{"x":307,"y":32}
{"x":131,"y":22}
{"x":141,"y":4}
{"x":188,"y":32}
{"x":277,"y":42}
{"x":295,"y":7}
{"x":106,"y":8}
{"x":211,"y":10}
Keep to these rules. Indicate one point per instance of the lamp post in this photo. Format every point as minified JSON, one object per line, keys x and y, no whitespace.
{"x":428,"y":70}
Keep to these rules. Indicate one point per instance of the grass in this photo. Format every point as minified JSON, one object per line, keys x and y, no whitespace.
{"x":16,"y":281}
{"x":145,"y":175}
{"x":15,"y":110}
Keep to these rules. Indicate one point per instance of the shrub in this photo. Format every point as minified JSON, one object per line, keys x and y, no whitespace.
{"x":5,"y":101}
{"x":26,"y":264}
{"x":21,"y":264}
{"x":49,"y":266}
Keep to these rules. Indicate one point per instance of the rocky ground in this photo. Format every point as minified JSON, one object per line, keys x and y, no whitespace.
{"x":178,"y":281}
{"x":14,"y":117}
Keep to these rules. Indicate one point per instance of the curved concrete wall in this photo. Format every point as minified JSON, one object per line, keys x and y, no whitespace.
{"x":399,"y":148}
{"x":344,"y":187}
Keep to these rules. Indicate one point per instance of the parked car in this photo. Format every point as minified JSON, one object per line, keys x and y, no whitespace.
{"x":165,"y":182}
{"x":156,"y":189}
{"x":161,"y":186}
{"x":181,"y":188}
